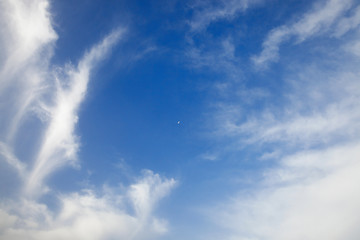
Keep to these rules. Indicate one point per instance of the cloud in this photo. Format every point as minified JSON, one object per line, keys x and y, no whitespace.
{"x":301,"y":137}
{"x":346,"y":24}
{"x":39,"y":112}
{"x":87,"y":215}
{"x":12,"y":160}
{"x":26,"y":40}
{"x":312,"y":195}
{"x":219,"y":58}
{"x":307,"y":138}
{"x":28,"y":90}
{"x":310,"y":187}
{"x":316,"y":112}
{"x":205,"y":14}
{"x":317,"y":21}
{"x":59,"y":145}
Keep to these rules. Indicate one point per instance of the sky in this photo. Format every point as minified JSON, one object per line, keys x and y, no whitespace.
{"x":193,"y":119}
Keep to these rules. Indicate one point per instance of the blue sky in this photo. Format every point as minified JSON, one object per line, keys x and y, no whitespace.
{"x":235,"y":120}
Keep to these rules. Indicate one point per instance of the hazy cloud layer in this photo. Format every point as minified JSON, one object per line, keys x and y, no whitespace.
{"x":311,"y":195}
{"x":310,"y":188}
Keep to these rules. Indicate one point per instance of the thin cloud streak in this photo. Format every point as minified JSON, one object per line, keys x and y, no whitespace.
{"x":203,"y":17}
{"x":60,"y":145}
{"x":317,"y":21}
{"x":316,"y":112}
{"x":12,"y":160}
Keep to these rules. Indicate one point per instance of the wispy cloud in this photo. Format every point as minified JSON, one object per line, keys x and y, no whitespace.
{"x":26,"y":40}
{"x":88,"y":215}
{"x":28,"y":88}
{"x":310,"y":141}
{"x":59,"y":145}
{"x":316,"y":112}
{"x":303,"y":198}
{"x":311,"y":184}
{"x":41,"y":102}
{"x":348,"y":23}
{"x":205,"y":13}
{"x":220,"y":58}
{"x":8,"y":155}
{"x":317,"y":21}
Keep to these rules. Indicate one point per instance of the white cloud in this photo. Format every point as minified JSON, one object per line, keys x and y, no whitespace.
{"x":26,"y":41}
{"x":59,"y":145}
{"x":147,"y":192}
{"x":220,"y":58}
{"x":28,"y":87}
{"x":209,"y":156}
{"x":42,"y":102}
{"x":317,"y":21}
{"x":11,"y":159}
{"x":307,"y":132}
{"x":319,"y":106}
{"x":346,"y":24}
{"x":320,"y":127}
{"x":206,"y":13}
{"x":85,"y":215}
{"x":296,"y":202}
{"x":311,"y":190}
{"x":353,"y":47}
